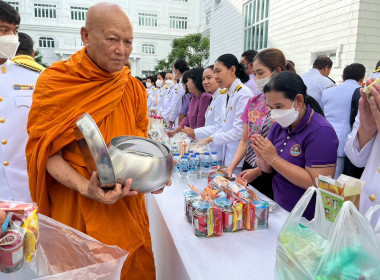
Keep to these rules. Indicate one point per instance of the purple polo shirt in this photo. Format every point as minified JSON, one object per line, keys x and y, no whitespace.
{"x":314,"y":144}
{"x":185,"y":103}
{"x":197,"y":110}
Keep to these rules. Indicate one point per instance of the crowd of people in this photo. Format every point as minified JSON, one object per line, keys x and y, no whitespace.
{"x":278,"y":129}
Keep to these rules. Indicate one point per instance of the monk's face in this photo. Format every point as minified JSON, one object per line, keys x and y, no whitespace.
{"x":108,"y":39}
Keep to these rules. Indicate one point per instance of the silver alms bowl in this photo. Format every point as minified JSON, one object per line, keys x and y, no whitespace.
{"x":149,"y":163}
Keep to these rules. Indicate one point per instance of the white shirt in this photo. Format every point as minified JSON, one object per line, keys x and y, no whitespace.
{"x":231,"y":124}
{"x":158,"y":100}
{"x":177,"y":102}
{"x":168,"y":103}
{"x":336,"y":103}
{"x":17,"y":85}
{"x":212,"y":124}
{"x":151,"y":96}
{"x":316,"y":83}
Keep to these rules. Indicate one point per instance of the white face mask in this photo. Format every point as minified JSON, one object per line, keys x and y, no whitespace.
{"x":285,"y":117}
{"x":148,"y":85}
{"x":173,"y":74}
{"x":8,"y":46}
{"x":159,"y":83}
{"x":260,"y":83}
{"x":169,"y":83}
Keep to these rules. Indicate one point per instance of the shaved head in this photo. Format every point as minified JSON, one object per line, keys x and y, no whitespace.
{"x":108,"y":36}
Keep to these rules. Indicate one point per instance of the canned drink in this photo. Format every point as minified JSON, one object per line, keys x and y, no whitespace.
{"x":218,"y":221}
{"x":200,"y":223}
{"x":228,"y":219}
{"x":11,"y":251}
{"x":262,"y":213}
{"x":190,"y":196}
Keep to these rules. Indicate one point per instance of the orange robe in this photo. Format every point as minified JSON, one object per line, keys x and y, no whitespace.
{"x":117,"y":103}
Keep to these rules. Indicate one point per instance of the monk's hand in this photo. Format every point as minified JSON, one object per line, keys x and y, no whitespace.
{"x":162,"y":189}
{"x":111,"y":196}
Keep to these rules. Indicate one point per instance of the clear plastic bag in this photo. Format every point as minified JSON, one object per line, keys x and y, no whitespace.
{"x":369,"y":215}
{"x":301,"y":243}
{"x":65,"y":253}
{"x":352,"y":251}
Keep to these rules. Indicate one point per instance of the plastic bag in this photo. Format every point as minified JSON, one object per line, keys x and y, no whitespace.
{"x":65,"y":253}
{"x":301,"y":243}
{"x":369,"y":214}
{"x":352,"y":251}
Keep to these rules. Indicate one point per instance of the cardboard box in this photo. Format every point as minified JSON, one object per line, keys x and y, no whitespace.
{"x":335,"y":192}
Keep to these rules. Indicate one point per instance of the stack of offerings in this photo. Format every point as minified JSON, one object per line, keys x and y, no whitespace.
{"x":20,"y":233}
{"x":225,"y":206}
{"x":335,"y":192}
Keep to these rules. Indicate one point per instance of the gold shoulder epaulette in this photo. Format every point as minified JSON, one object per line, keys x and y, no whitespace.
{"x":30,"y":67}
{"x":377,"y":70}
{"x":239,"y":87}
{"x":223,"y":91}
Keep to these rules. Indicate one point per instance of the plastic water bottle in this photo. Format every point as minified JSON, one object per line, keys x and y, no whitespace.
{"x":184,"y":167}
{"x":214,"y":159}
{"x":206,"y":166}
{"x":174,"y":149}
{"x":198,"y":161}
{"x":177,"y":158}
{"x":192,"y":176}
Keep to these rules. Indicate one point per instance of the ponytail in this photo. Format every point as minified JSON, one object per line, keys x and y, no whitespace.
{"x":309,"y":100}
{"x":290,"y":67}
{"x":241,"y":74}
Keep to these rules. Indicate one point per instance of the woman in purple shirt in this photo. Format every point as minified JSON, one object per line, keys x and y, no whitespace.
{"x":301,"y":145}
{"x":199,"y":102}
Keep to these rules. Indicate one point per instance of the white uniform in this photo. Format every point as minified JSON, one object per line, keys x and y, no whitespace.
{"x":336,"y":103}
{"x":168,"y":103}
{"x":177,"y":103}
{"x":212,"y":124}
{"x":368,"y":157}
{"x":17,"y":85}
{"x":151,"y":95}
{"x":231,"y":124}
{"x":158,"y":100}
{"x":316,"y":83}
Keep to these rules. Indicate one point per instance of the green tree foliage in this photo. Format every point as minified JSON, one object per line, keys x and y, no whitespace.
{"x":38,"y":58}
{"x":193,"y":48}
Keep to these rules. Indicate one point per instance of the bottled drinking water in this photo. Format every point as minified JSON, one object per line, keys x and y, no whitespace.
{"x":206,"y":165}
{"x":184,"y":167}
{"x":214,"y":159}
{"x":192,"y":176}
{"x":177,"y":158}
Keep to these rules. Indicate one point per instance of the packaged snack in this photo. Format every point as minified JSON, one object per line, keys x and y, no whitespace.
{"x":249,"y":218}
{"x":200,"y":217}
{"x":225,"y":206}
{"x":238,"y":216}
{"x":261,"y":213}
{"x":190,"y":196}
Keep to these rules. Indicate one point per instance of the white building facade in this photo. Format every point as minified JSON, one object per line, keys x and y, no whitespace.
{"x":346,"y":30}
{"x":55,"y":26}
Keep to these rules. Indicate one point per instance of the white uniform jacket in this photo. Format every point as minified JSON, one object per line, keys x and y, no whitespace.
{"x":17,"y":86}
{"x":212,"y":124}
{"x":151,"y":96}
{"x":177,"y":103}
{"x":168,"y":103}
{"x":316,"y":83}
{"x":231,"y":124}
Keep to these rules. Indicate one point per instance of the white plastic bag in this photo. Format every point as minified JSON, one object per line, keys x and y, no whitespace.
{"x":369,"y":214}
{"x":65,"y":253}
{"x":301,"y":243}
{"x":352,"y":251}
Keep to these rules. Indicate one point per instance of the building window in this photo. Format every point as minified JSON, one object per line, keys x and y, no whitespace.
{"x":178,"y":22}
{"x":13,"y":4}
{"x":147,"y":19}
{"x":256,"y":14}
{"x":78,"y":13}
{"x":148,"y":49}
{"x":45,"y":11}
{"x":208,"y":17}
{"x":46,"y":42}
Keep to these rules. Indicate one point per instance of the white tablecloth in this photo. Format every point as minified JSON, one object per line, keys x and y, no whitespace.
{"x":179,"y":254}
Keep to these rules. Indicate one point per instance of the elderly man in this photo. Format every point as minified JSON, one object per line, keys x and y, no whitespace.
{"x":93,"y":80}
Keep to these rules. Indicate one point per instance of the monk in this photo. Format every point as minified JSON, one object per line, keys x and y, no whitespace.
{"x":93,"y":80}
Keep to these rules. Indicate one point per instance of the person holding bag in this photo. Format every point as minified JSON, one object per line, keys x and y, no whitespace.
{"x":301,"y":145}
